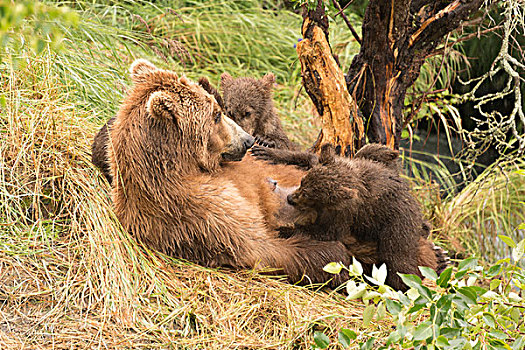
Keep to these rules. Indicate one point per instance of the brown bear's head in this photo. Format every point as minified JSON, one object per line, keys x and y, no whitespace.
{"x":175,"y":124}
{"x":247,"y":101}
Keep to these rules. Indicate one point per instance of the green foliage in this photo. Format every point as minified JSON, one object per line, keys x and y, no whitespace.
{"x":489,"y":206}
{"x":33,"y":23}
{"x":473,"y":307}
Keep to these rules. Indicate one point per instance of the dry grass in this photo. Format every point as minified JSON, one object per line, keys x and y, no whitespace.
{"x":69,"y":276}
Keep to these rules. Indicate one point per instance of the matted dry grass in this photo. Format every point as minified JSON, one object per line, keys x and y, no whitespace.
{"x":71,"y":278}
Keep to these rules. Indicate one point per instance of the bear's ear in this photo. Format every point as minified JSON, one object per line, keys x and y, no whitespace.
{"x":206,"y":85}
{"x":267,"y":81}
{"x":226,"y":80}
{"x":327,"y":155}
{"x":161,"y":105}
{"x":139,"y":68}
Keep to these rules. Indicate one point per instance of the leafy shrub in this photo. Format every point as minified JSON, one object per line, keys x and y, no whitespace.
{"x":471,"y":306}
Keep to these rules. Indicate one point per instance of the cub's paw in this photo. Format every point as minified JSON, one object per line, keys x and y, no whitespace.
{"x":263,"y":153}
{"x":263,"y":142}
{"x":442,"y":257}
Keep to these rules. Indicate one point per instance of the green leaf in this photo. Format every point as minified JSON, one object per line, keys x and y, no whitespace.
{"x":522,"y":225}
{"x":381,"y":310}
{"x":393,"y":306}
{"x":423,"y":331}
{"x":515,"y":314}
{"x":507,"y":240}
{"x":356,"y":268}
{"x":411,"y":280}
{"x":333,"y":268}
{"x":393,"y":338}
{"x":498,"y":334}
{"x":441,"y":341}
{"x":444,"y":277}
{"x":368,"y":314}
{"x":415,"y":308}
{"x":346,"y":336}
{"x":380,"y":276}
{"x":368,"y":345}
{"x":519,"y":343}
{"x":429,"y":273}
{"x":355,"y":291}
{"x":458,"y":343}
{"x":450,"y":332}
{"x":519,"y":251}
{"x":469,"y":293}
{"x":493,"y":270}
{"x":467,"y":264}
{"x":321,"y":340}
{"x":494,"y":284}
{"x":460,"y":274}
{"x":444,"y":302}
{"x":489,"y":320}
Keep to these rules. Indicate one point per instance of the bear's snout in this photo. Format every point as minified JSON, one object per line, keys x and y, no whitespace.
{"x":248,"y":141}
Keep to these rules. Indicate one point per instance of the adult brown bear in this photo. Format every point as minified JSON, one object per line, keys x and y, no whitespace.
{"x":171,"y":192}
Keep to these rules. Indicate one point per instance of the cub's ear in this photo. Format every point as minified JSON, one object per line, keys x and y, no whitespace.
{"x":226,"y":80}
{"x":139,"y":68}
{"x":267,"y":81}
{"x":161,"y":105}
{"x":327,"y":155}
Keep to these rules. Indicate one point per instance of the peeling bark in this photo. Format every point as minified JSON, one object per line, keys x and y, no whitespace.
{"x":324,"y":82}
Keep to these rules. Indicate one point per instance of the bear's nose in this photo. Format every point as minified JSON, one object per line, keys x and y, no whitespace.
{"x":290,"y":199}
{"x":249,"y":141}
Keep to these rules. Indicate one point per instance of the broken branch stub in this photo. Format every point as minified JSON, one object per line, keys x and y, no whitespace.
{"x":325,"y":84}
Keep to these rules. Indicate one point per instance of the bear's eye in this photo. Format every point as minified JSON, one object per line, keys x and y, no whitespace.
{"x":247,"y":114}
{"x":217,"y":117}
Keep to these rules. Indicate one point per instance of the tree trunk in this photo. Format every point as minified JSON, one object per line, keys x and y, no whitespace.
{"x":397,"y":37}
{"x":325,"y":84}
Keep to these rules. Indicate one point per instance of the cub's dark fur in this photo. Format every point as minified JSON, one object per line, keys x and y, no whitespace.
{"x":249,"y":103}
{"x":365,"y":200}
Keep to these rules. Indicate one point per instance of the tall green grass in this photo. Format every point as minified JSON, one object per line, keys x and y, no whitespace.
{"x":195,"y":37}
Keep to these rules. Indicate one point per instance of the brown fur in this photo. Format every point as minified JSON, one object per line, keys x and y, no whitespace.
{"x":99,"y":151}
{"x":429,"y":254}
{"x":167,"y":145}
{"x":307,"y":160}
{"x":249,"y":103}
{"x":363,"y":200}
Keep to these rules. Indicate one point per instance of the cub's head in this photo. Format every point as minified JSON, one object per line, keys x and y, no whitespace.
{"x":247,"y":100}
{"x":329,"y":186}
{"x":171,"y":122}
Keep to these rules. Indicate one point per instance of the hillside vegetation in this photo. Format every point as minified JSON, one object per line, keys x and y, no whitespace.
{"x":69,"y":276}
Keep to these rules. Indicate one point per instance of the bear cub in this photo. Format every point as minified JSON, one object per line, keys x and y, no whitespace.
{"x":364,"y":199}
{"x":248,"y":102}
